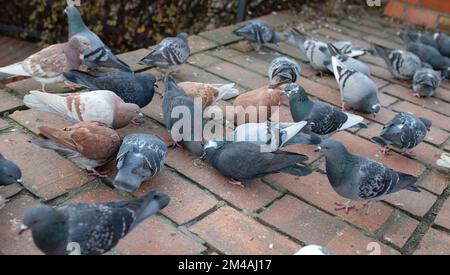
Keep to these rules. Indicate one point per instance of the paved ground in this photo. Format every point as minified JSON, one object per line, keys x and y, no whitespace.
{"x":274,"y":216}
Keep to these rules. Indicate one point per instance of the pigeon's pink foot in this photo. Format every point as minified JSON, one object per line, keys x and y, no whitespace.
{"x":43,"y":88}
{"x":320,"y":74}
{"x":175,"y":144}
{"x":366,"y":207}
{"x":344,"y":206}
{"x":137,"y":121}
{"x":385,"y":150}
{"x":96,"y":173}
{"x":409,"y":153}
{"x":84,"y":68}
{"x":416,"y":95}
{"x":236,"y":182}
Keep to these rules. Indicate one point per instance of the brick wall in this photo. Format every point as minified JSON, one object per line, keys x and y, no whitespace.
{"x":428,"y":13}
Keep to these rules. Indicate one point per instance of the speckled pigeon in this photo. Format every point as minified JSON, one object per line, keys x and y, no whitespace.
{"x":244,"y":162}
{"x":283,"y":69}
{"x":323,"y":118}
{"x":274,"y":135}
{"x":443,"y":43}
{"x":258,"y":32}
{"x":89,"y":229}
{"x":9,"y":172}
{"x":140,"y":157}
{"x":423,"y":38}
{"x":169,"y":52}
{"x":357,"y":90}
{"x":359,"y":178}
{"x":98,"y":54}
{"x":348,"y":61}
{"x":404,"y":131}
{"x":350,"y":49}
{"x":179,"y":110}
{"x":132,"y":88}
{"x":425,"y":82}
{"x":401,"y":64}
{"x":47,"y":66}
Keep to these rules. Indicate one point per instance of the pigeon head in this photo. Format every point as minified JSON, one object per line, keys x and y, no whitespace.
{"x":133,"y":170}
{"x":376,"y":108}
{"x":127,"y":112}
{"x":295,"y":92}
{"x":331,"y":147}
{"x":183,"y":36}
{"x":211,"y":146}
{"x":41,"y":216}
{"x":9,"y":172}
{"x":148,"y":79}
{"x":426,"y":122}
{"x":76,"y":23}
{"x":80,"y":43}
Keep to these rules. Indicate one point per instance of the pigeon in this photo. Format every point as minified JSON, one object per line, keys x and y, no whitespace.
{"x":89,"y":144}
{"x":169,"y":52}
{"x":425,"y":82}
{"x":10,"y":173}
{"x":92,"y":228}
{"x":97,"y":54}
{"x":140,"y":157}
{"x":244,"y":162}
{"x":423,"y":38}
{"x":359,"y":178}
{"x":283,"y":70}
{"x":404,"y":131}
{"x":323,"y":118}
{"x":209,"y":93}
{"x":131,"y":88}
{"x":275,"y":135}
{"x":350,"y":49}
{"x":257,"y":105}
{"x":47,"y":66}
{"x":102,"y":106}
{"x":357,"y":90}
{"x":258,"y":32}
{"x":443,"y":43}
{"x":348,"y":61}
{"x":315,"y":51}
{"x":182,"y":118}
{"x":313,"y":249}
{"x":427,"y":54}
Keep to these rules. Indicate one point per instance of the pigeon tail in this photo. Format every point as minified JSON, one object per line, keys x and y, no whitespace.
{"x":14,"y":69}
{"x":195,"y":147}
{"x":297,"y":171}
{"x":381,"y":51}
{"x":79,"y":77}
{"x":50,"y":144}
{"x":45,"y":102}
{"x":353,"y":121}
{"x":147,"y":205}
{"x":226,"y":91}
{"x":405,"y":181}
{"x":302,"y":138}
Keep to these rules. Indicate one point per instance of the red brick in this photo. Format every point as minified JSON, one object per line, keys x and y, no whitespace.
{"x":8,"y":101}
{"x":303,"y":222}
{"x":437,"y":119}
{"x":232,"y":232}
{"x":358,"y":30}
{"x":98,"y":194}
{"x":288,"y":50}
{"x":443,"y":217}
{"x":253,"y":197}
{"x":386,"y":100}
{"x":190,"y":73}
{"x":238,"y":75}
{"x":399,"y":228}
{"x":394,"y":9}
{"x":384,"y":42}
{"x":156,"y":236}
{"x":202,"y":60}
{"x":45,"y":173}
{"x":343,"y":36}
{"x":154,"y":109}
{"x":187,"y":200}
{"x":198,"y":44}
{"x":7,"y":191}
{"x":435,"y":182}
{"x":280,"y":18}
{"x":421,"y":17}
{"x":444,"y":23}
{"x":434,"y":243}
{"x":416,"y":203}
{"x":24,"y":86}
{"x":351,"y":241}
{"x":438,"y":5}
{"x":3,"y":124}
{"x":330,"y":95}
{"x":225,"y":53}
{"x":32,"y":119}
{"x":442,"y":93}
{"x":427,"y":153}
{"x":412,"y":2}
{"x":222,"y":35}
{"x":10,"y":219}
{"x":380,"y":66}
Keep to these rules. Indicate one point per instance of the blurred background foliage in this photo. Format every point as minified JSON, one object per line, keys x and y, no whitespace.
{"x":130,"y":24}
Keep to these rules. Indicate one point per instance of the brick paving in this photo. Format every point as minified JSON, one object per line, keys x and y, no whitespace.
{"x":275,"y":215}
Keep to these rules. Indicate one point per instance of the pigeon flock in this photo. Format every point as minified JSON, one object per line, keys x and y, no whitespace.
{"x":252,"y":150}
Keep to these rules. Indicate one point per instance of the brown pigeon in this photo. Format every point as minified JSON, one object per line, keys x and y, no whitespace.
{"x":47,"y":66}
{"x":263,"y":99}
{"x":89,"y":144}
{"x":102,"y":106}
{"x":210,"y":93}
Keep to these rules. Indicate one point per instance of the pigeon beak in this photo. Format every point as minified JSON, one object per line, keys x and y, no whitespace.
{"x":203,"y":156}
{"x":141,"y":115}
{"x":20,"y":180}
{"x":318,"y":149}
{"x":156,"y":85}
{"x":23,"y":228}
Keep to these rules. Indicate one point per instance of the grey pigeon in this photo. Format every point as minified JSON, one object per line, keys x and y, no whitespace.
{"x":359,"y":178}
{"x":423,"y":38}
{"x":443,"y":43}
{"x":323,"y":118}
{"x":427,"y":54}
{"x":244,"y":162}
{"x":348,"y":61}
{"x":47,"y":65}
{"x":176,"y":101}
{"x":131,"y":88}
{"x":140,"y":157}
{"x":350,"y":49}
{"x":313,"y":249}
{"x":357,"y":90}
{"x":98,"y":54}
{"x":9,"y":172}
{"x":274,"y":135}
{"x":401,"y":64}
{"x":283,"y":69}
{"x":425,"y":82}
{"x":93,"y":228}
{"x":169,"y":52}
{"x":404,"y":131}
{"x":315,"y":51}
{"x":258,"y":32}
